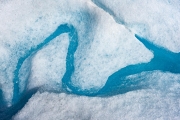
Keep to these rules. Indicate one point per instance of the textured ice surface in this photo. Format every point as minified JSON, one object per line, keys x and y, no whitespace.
{"x":87,"y":52}
{"x":43,"y":71}
{"x":156,"y":20}
{"x":160,"y":101}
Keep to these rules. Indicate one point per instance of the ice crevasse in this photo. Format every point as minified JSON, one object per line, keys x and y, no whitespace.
{"x":82,"y":59}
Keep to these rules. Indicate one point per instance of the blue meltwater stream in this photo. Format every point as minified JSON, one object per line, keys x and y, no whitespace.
{"x":164,"y":60}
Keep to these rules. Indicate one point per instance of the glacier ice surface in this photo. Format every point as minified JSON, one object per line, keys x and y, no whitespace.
{"x":89,"y":59}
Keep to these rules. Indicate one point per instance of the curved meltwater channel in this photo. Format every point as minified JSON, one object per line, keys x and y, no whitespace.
{"x":65,"y":28}
{"x":20,"y":99}
{"x":163,"y":60}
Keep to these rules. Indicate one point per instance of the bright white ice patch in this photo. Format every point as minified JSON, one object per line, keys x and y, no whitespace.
{"x":48,"y":65}
{"x":113,"y":47}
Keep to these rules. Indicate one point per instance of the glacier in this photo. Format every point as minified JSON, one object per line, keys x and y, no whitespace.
{"x":83,"y":59}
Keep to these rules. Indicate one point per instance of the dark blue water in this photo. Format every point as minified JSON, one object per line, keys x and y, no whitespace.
{"x":117,"y":83}
{"x":164,"y":60}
